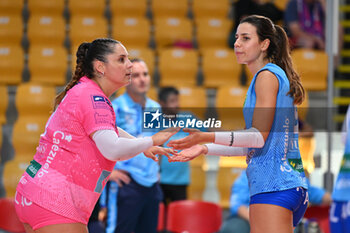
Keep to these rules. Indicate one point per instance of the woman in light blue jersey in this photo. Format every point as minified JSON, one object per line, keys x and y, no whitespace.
{"x":340,"y":209}
{"x":277,"y":183}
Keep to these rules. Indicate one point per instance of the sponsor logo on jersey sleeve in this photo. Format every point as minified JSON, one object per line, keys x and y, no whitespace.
{"x":100,"y":102}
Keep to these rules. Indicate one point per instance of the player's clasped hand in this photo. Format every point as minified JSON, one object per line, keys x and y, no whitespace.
{"x":195,"y":137}
{"x":154,"y":150}
{"x":162,"y":136}
{"x":158,"y":139}
{"x":189,"y":153}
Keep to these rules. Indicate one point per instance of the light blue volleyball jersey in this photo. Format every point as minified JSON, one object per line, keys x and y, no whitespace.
{"x":129,"y":115}
{"x":341,"y":190}
{"x":277,"y":166}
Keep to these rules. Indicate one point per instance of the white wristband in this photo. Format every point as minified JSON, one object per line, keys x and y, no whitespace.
{"x":220,"y":150}
{"x":244,"y":138}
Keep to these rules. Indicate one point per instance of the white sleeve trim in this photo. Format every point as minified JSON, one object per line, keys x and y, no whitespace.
{"x":244,"y":138}
{"x":220,"y":150}
{"x":116,"y":148}
{"x":124,"y":134}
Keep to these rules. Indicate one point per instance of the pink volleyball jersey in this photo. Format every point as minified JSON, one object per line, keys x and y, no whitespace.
{"x":68,"y":172}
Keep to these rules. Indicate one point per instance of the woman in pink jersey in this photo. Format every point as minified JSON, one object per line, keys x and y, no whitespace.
{"x":81,"y":144}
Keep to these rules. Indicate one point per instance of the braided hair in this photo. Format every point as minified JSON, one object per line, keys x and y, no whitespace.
{"x":86,"y":54}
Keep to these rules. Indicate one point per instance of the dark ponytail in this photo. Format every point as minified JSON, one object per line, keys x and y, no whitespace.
{"x":278,"y":52}
{"x":284,"y":60}
{"x":86,"y":54}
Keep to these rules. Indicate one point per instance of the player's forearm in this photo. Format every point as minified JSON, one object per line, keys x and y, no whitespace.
{"x":244,"y":138}
{"x":220,"y":150}
{"x":206,"y":137}
{"x":116,"y":148}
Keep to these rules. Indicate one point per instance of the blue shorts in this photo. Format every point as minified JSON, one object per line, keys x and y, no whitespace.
{"x":339,"y":217}
{"x":295,"y":199}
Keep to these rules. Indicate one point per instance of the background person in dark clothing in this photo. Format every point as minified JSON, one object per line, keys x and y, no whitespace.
{"x":243,"y":8}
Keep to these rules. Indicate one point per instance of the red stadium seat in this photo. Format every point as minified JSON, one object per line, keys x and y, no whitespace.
{"x":321,"y":215}
{"x":194,"y":217}
{"x":161,"y":217}
{"x":8,"y":217}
